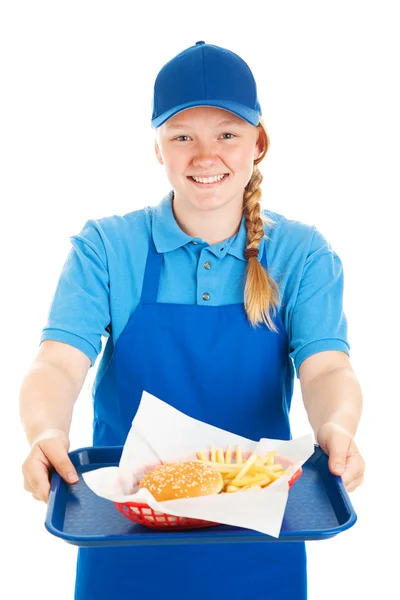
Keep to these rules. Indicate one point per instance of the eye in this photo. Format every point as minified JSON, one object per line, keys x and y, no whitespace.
{"x":180,"y":137}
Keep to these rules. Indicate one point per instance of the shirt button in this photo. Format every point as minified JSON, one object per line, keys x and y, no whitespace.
{"x":194,"y":243}
{"x":207,"y":265}
{"x":206,"y":296}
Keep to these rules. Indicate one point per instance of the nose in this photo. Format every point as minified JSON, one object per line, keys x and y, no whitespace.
{"x":204,"y":155}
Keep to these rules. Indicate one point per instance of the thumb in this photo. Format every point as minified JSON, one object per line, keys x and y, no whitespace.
{"x":335,"y":441}
{"x":56,"y":453}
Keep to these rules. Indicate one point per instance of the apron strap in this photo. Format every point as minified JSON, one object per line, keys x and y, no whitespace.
{"x":151,"y":274}
{"x":263,"y":260}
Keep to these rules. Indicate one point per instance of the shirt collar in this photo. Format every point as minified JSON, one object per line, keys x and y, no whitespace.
{"x":168,"y":236}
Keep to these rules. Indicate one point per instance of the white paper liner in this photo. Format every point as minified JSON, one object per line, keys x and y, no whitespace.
{"x":161,"y":433}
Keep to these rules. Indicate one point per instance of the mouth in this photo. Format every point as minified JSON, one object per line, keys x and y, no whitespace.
{"x":207,"y":184}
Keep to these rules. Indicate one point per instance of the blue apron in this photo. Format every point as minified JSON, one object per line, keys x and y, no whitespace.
{"x":208,"y":362}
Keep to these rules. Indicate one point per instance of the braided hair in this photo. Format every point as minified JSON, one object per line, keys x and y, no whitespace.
{"x":261,"y":293}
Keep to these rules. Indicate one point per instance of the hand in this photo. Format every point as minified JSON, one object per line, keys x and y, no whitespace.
{"x":344,"y":456}
{"x":48,"y":451}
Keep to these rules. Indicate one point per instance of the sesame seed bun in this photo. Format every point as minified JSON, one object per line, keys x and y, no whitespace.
{"x":182,"y":480}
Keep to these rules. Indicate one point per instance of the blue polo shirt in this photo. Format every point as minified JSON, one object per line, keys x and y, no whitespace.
{"x":101,"y":282}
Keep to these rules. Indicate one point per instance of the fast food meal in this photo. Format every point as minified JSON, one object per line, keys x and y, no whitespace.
{"x":213,"y":473}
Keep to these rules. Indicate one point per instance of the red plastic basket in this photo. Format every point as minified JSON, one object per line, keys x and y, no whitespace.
{"x":145,"y":515}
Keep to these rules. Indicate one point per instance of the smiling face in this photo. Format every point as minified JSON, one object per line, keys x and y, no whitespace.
{"x":205,"y":142}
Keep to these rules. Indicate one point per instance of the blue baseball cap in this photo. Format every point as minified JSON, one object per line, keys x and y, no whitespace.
{"x":205,"y":75}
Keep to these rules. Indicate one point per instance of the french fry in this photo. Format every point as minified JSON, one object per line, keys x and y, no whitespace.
{"x":252,"y":458}
{"x":279,"y":469}
{"x":256,"y":479}
{"x":270,"y":458}
{"x":231,"y":488}
{"x":274,"y":476}
{"x":250,"y":487}
{"x":265,"y":482}
{"x":228,"y":477}
{"x":258,"y":468}
{"x":228,"y":455}
{"x":213,"y":454}
{"x":202,"y":456}
{"x":275,"y":468}
{"x":223,"y":468}
{"x":220,"y":458}
{"x":267,"y":459}
{"x":239,"y":457}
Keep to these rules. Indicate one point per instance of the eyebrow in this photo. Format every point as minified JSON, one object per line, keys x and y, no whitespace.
{"x":220,"y":124}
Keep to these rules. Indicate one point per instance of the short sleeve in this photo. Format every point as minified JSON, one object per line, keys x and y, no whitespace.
{"x":318,"y":322}
{"x":79,"y":313}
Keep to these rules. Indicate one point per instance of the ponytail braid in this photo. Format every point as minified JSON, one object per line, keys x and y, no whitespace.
{"x":261,"y":293}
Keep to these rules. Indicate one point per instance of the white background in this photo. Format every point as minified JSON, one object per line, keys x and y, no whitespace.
{"x":76,"y":143}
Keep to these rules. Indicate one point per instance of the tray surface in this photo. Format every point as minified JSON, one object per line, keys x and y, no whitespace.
{"x":318,"y":507}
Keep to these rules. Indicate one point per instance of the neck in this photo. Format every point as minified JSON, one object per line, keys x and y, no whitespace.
{"x":211,"y":226}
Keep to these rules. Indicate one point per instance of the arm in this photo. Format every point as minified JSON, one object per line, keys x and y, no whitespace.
{"x":71,"y":341}
{"x":331,"y":392}
{"x":333,"y":401}
{"x":51,"y":387}
{"x":48,"y":394}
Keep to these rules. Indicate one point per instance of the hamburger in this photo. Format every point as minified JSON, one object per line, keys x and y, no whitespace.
{"x":187,"y":479}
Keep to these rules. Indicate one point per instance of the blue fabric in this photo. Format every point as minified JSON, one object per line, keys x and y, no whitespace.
{"x":102,"y":279}
{"x":209,"y":363}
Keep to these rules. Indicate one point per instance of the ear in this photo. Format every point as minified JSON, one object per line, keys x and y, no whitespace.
{"x":158,"y":153}
{"x":260,"y":145}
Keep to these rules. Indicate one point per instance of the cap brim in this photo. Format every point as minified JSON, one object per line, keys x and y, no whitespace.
{"x":244,"y":112}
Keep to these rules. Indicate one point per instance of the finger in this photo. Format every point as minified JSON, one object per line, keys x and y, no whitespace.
{"x":338,"y":445}
{"x":57,"y":455}
{"x":354,"y":468}
{"x":35,"y":478}
{"x":355,"y":483}
{"x":38,"y":481}
{"x":27,"y":486}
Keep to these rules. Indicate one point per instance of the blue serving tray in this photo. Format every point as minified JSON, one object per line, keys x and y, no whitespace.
{"x":318,"y":508}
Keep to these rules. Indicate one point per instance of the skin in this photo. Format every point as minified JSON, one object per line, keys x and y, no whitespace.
{"x":330,"y":390}
{"x":333,"y":400}
{"x":204,"y":147}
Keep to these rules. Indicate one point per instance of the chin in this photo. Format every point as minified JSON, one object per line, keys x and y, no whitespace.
{"x":204,"y":204}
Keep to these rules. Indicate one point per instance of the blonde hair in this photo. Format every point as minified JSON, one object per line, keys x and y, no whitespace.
{"x":261,"y":293}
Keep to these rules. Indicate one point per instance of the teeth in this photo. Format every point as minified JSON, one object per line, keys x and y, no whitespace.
{"x":208,"y":179}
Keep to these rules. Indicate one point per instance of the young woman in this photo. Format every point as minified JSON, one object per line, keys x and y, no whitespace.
{"x":213,"y":306}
